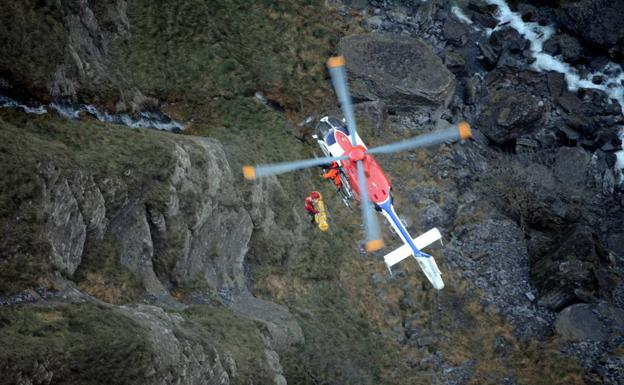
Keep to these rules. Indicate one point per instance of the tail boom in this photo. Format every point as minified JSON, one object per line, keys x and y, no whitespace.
{"x":413,"y":247}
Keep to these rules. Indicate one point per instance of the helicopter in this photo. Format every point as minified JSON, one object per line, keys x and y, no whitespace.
{"x":367,"y":181}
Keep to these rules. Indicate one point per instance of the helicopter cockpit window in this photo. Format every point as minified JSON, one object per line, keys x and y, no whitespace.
{"x":335,"y":122}
{"x":339,"y":125}
{"x":323,"y":128}
{"x":330,"y":138}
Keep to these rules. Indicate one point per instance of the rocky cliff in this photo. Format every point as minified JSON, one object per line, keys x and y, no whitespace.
{"x":138,"y":256}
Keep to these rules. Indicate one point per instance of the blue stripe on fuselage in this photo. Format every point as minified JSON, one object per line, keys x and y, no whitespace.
{"x":387,"y":207}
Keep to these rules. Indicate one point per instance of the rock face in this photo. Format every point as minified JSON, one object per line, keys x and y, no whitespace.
{"x":401,"y":71}
{"x":494,"y":254}
{"x":597,"y":22}
{"x":579,"y":265}
{"x":65,"y":228}
{"x":178,"y":358}
{"x":203,"y":210}
{"x":78,"y":62}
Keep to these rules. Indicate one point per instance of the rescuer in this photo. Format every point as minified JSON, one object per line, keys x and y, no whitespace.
{"x":309,"y":205}
{"x":333,"y":173}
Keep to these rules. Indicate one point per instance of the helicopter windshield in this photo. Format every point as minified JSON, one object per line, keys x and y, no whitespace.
{"x":326,"y":126}
{"x":323,"y":128}
{"x":330,"y":138}
{"x":338,"y":124}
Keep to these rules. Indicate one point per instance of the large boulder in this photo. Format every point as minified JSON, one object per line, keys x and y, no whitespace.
{"x":507,"y":114}
{"x":399,"y":70}
{"x":579,"y":323}
{"x":590,"y":322}
{"x":565,"y":45}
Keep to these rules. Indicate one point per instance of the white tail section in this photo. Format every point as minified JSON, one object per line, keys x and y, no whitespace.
{"x":405,"y":251}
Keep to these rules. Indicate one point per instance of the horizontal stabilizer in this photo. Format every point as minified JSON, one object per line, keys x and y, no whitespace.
{"x":405,"y":251}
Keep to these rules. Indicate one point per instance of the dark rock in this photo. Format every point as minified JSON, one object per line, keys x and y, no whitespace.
{"x":527,"y":144}
{"x":507,"y":114}
{"x":577,"y":261}
{"x":570,"y":102}
{"x":598,"y":79}
{"x":598,"y":63}
{"x":571,"y":49}
{"x":454,"y":61}
{"x":489,"y":52}
{"x":579,"y":323}
{"x":510,"y":40}
{"x":456,"y":32}
{"x":571,"y":166}
{"x":484,"y":20}
{"x":471,"y":90}
{"x":551,"y":46}
{"x":556,"y":83}
{"x":616,"y":242}
{"x":400,"y":71}
{"x":565,"y":45}
{"x":579,"y":123}
{"x":528,"y":12}
{"x":597,"y":22}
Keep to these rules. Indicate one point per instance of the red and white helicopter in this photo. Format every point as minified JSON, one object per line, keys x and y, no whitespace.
{"x":343,"y":145}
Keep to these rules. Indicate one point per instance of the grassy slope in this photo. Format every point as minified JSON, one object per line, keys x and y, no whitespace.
{"x":241,"y":338}
{"x":74,"y":342}
{"x":196,"y":50}
{"x":90,"y":344}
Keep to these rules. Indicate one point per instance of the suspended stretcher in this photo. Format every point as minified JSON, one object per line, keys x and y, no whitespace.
{"x":321,"y":217}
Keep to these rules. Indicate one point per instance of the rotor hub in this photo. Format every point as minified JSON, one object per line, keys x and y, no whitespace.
{"x":357,"y":153}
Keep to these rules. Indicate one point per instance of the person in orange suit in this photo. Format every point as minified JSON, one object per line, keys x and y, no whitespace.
{"x":333,"y":173}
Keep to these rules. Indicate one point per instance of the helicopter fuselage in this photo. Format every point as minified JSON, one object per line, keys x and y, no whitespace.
{"x":378,"y":183}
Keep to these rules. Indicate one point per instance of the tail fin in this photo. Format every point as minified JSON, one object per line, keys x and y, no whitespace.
{"x":405,"y":251}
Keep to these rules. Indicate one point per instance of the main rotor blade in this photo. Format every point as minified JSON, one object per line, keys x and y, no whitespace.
{"x":253,"y":172}
{"x":336,"y":67}
{"x":461,"y":131}
{"x":371,"y":226}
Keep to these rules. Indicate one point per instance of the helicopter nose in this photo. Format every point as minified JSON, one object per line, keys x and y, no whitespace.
{"x":356,"y":153}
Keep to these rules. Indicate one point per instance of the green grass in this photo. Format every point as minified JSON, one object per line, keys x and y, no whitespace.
{"x":193,"y":49}
{"x":80,"y":344}
{"x":342,"y":345}
{"x":102,"y":275}
{"x":33,"y":40}
{"x":223,"y":329}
